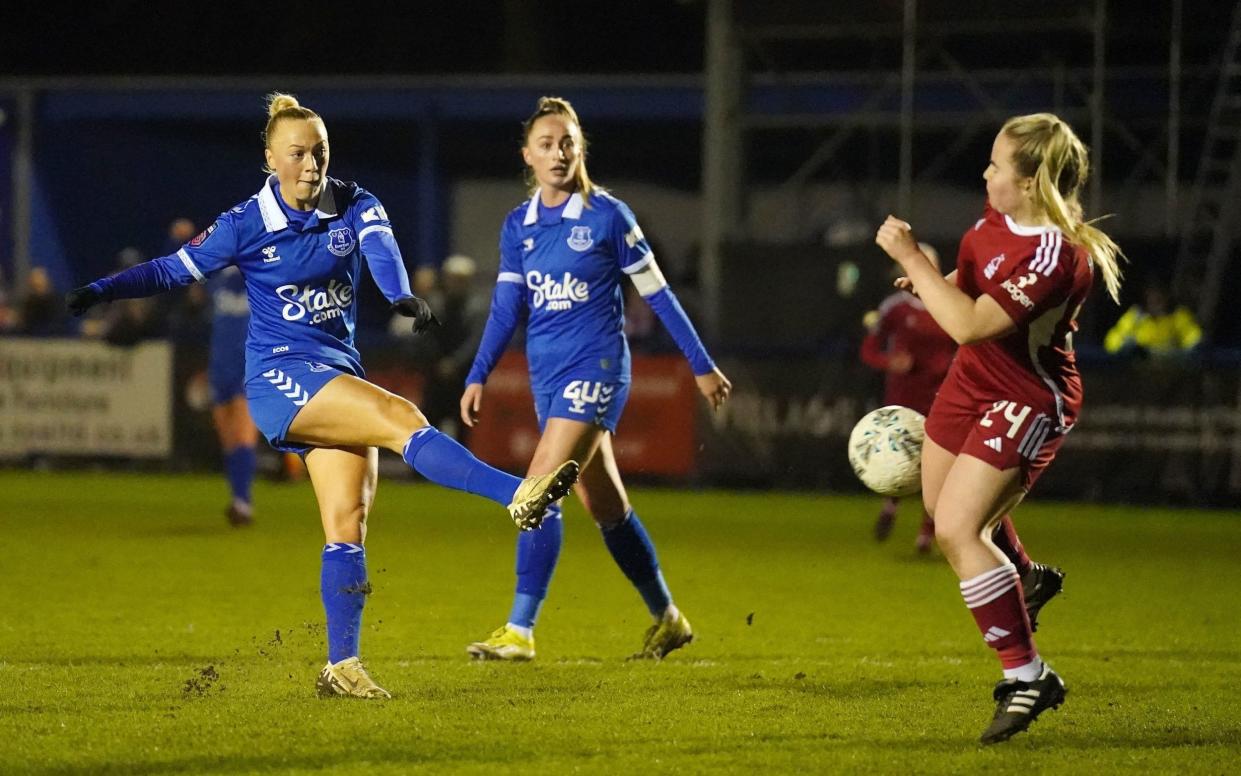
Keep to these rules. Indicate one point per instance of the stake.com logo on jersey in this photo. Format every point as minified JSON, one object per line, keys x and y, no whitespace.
{"x":324,"y":303}
{"x":557,"y":295}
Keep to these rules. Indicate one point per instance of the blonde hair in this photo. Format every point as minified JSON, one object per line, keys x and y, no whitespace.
{"x":280,"y":107}
{"x":558,"y":106}
{"x":1050,"y":152}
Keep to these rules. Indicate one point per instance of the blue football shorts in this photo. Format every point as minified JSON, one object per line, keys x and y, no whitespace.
{"x":278,"y":393}
{"x":588,"y":401}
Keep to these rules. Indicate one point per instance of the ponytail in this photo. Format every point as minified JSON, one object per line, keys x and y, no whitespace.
{"x":1050,"y":152}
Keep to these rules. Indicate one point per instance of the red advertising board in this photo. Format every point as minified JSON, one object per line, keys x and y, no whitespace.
{"x":656,"y":434}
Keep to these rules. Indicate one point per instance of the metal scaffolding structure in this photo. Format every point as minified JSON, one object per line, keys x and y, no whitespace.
{"x":928,"y":89}
{"x":1210,"y":228}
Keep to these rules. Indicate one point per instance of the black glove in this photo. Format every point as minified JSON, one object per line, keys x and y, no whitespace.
{"x":79,"y":300}
{"x":419,"y":310}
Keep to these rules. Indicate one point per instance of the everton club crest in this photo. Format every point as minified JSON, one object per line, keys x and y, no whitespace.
{"x":340,"y":241}
{"x":580,"y":239}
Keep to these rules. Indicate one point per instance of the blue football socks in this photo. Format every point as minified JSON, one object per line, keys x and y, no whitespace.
{"x":442,"y":460}
{"x":633,"y":551}
{"x":344,"y":588}
{"x":239,"y":468}
{"x":537,"y":553}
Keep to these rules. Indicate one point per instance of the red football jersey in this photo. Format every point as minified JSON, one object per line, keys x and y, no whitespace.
{"x":905,"y":326}
{"x":1041,"y":281}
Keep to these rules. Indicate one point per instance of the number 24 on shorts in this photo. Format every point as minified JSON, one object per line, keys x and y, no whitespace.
{"x":1013,"y":412}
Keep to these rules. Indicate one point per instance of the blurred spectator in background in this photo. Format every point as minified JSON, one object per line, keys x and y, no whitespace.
{"x":180,"y":231}
{"x":40,"y":312}
{"x":424,"y":283}
{"x":131,"y":321}
{"x":445,"y":352}
{"x":1157,"y":327}
{"x":8,"y":316}
{"x":128,"y":321}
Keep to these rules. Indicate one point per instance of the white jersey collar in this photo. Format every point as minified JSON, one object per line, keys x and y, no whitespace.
{"x":572,"y":209}
{"x":1027,"y":231}
{"x":273,"y":214}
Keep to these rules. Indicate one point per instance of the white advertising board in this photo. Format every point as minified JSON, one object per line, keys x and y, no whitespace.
{"x":78,"y":397}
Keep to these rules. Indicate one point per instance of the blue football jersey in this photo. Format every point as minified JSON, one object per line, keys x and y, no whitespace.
{"x":571,"y":263}
{"x":300,"y":281}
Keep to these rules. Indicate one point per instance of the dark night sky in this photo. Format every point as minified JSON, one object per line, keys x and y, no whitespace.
{"x":515,"y":36}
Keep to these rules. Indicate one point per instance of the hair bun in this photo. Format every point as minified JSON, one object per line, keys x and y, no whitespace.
{"x":278,"y":101}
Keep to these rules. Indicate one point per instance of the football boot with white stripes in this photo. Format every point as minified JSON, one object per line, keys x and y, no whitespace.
{"x":1018,"y":703}
{"x":1038,"y":586}
{"x":535,"y":494}
{"x":349,"y":679}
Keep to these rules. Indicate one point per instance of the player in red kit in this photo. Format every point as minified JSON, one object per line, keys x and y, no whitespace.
{"x":905,"y":343}
{"x":1013,"y":392}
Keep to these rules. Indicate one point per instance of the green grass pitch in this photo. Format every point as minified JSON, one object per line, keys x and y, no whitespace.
{"x":141,"y":635}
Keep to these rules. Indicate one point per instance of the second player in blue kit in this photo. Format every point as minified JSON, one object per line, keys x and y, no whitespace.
{"x":564,"y":254}
{"x":299,"y":243}
{"x":226,"y":372}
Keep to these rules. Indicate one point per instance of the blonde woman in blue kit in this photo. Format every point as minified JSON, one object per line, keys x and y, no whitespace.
{"x":299,"y":243}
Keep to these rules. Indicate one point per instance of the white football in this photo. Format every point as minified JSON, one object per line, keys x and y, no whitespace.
{"x":885,"y":450}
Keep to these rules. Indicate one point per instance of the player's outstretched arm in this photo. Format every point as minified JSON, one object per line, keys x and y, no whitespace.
{"x":146,"y":279}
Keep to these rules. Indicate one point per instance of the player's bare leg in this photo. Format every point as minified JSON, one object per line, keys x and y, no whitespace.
{"x":565,"y":439}
{"x":600,"y":488}
{"x":971,"y":500}
{"x":344,"y":480}
{"x":973,"y":496}
{"x":1040,"y":584}
{"x":350,"y":412}
{"x":936,"y":463}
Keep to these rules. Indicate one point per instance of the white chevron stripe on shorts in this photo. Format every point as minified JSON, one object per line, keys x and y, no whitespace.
{"x":287,"y":386}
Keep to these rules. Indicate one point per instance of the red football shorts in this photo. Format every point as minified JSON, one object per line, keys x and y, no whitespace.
{"x":1003,"y":433}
